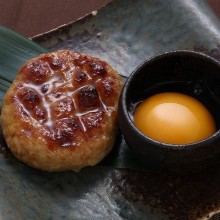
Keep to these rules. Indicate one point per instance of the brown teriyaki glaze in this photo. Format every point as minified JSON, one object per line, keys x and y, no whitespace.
{"x":68,"y":94}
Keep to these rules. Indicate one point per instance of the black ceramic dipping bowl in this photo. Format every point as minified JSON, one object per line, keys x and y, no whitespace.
{"x":186,"y":72}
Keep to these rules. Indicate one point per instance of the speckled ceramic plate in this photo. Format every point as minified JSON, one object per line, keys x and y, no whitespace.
{"x":124,"y":33}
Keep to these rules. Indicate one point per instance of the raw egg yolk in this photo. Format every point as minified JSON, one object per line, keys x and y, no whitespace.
{"x":174,"y":118}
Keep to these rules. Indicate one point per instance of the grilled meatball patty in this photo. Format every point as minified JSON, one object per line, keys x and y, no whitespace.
{"x":60,"y":113}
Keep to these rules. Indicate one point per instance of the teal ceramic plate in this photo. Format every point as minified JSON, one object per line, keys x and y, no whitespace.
{"x":124,"y":33}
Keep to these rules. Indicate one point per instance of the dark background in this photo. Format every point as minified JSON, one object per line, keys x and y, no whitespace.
{"x":33,"y":17}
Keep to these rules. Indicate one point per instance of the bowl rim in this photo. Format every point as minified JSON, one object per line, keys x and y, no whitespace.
{"x":174,"y":147}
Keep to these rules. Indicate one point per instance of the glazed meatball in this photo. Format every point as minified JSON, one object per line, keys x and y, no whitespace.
{"x":60,"y":113}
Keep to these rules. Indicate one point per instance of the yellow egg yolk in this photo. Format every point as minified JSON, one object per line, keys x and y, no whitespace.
{"x":174,"y":118}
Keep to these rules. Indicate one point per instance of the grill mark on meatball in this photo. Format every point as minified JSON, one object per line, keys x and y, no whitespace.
{"x":36,"y":72}
{"x":81,"y":77}
{"x":88,"y":98}
{"x":97,"y":68}
{"x":45,"y":88}
{"x":65,"y":132}
{"x":63,"y":108}
{"x":54,"y":62}
{"x":29,"y":98}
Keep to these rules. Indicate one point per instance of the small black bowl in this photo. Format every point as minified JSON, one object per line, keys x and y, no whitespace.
{"x":188,"y":72}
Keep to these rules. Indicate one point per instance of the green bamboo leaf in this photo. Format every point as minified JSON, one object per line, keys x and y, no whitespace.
{"x":15,"y":50}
